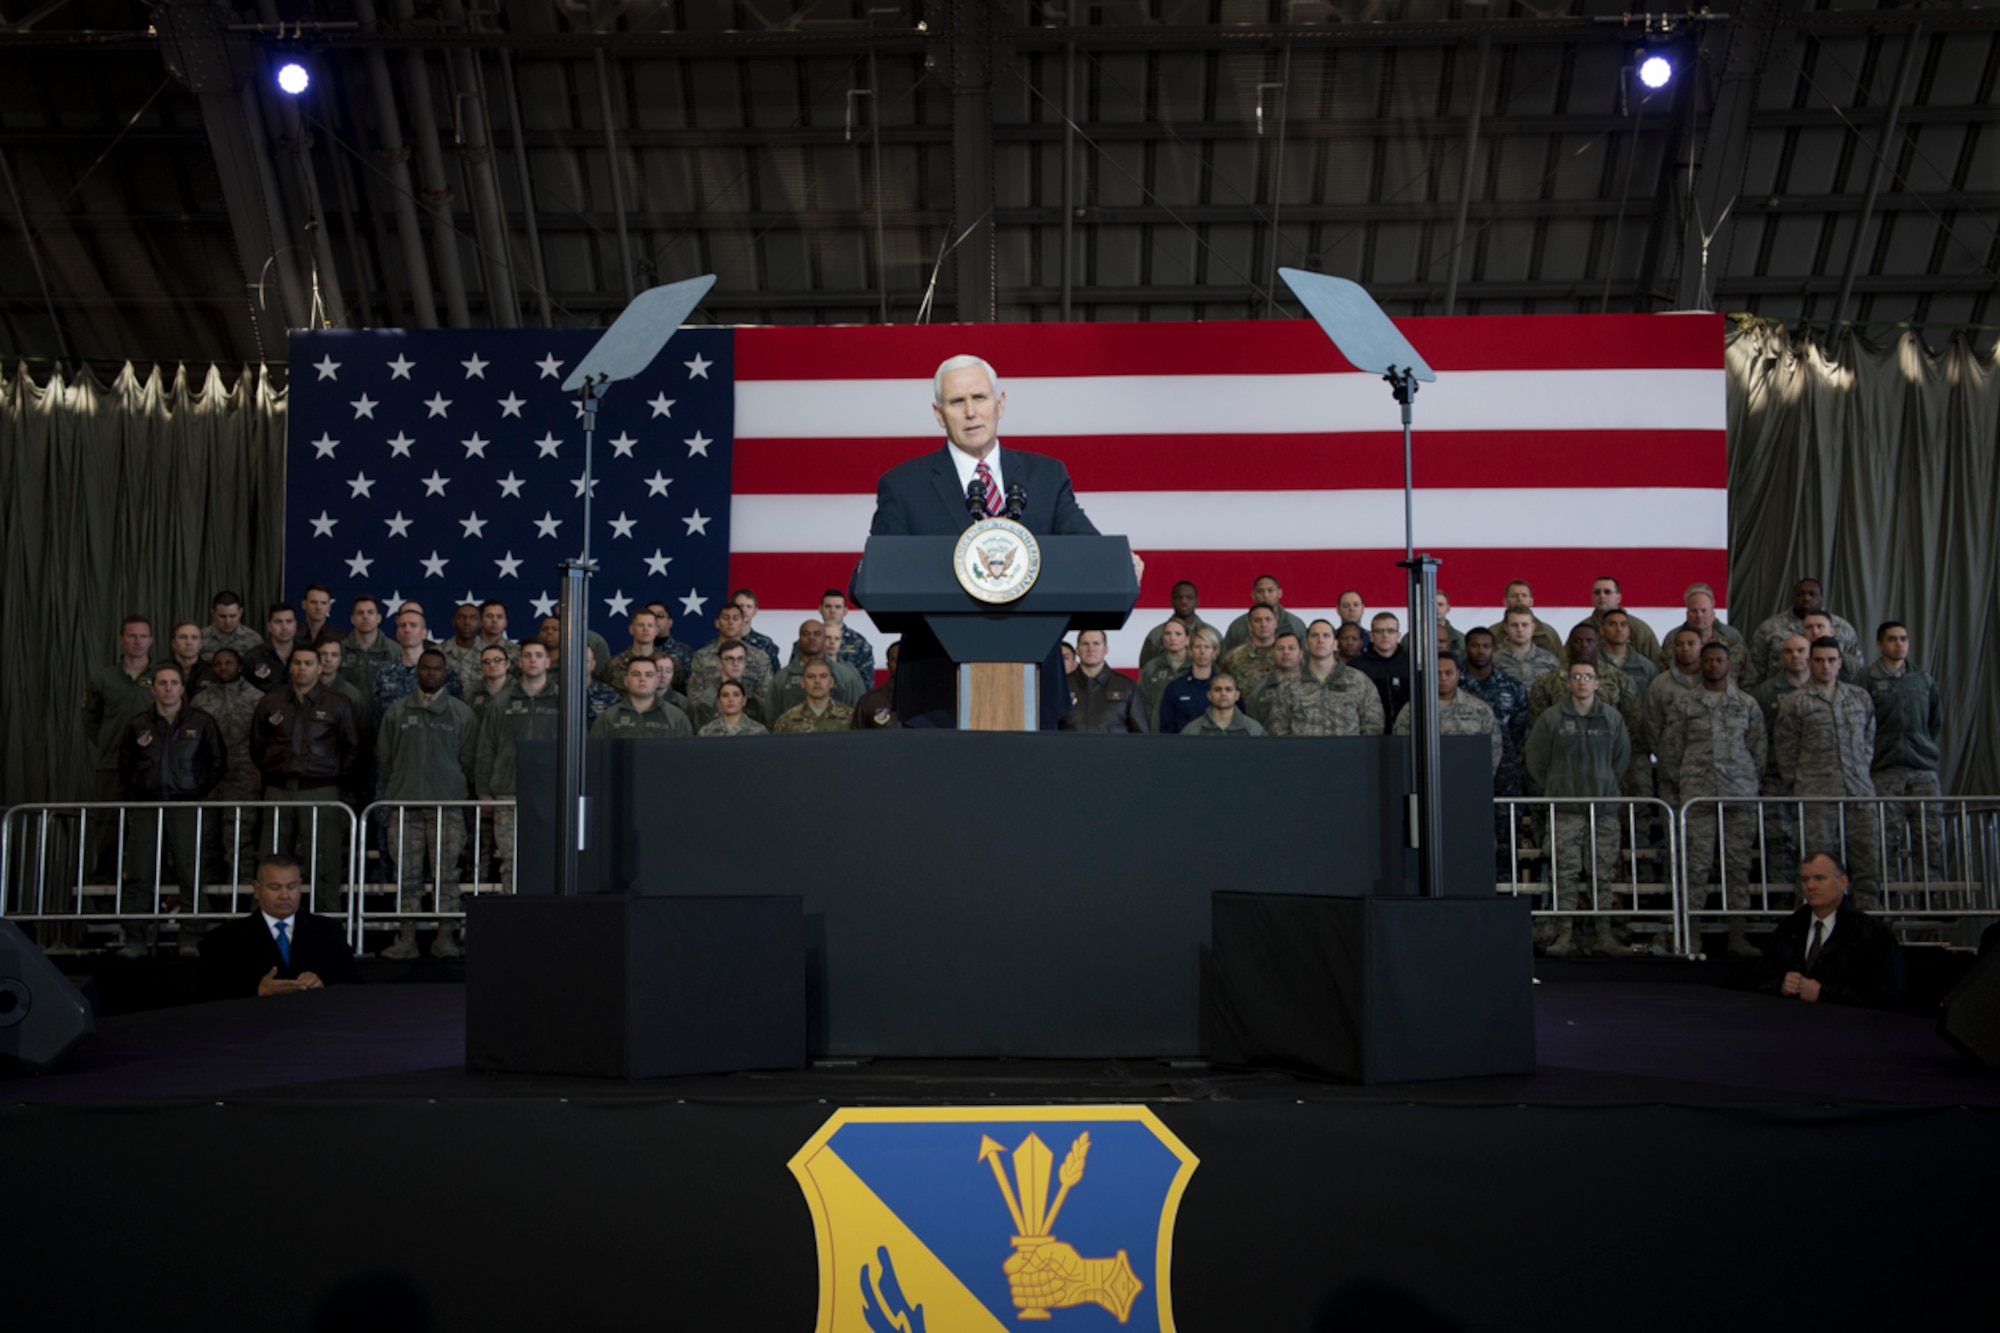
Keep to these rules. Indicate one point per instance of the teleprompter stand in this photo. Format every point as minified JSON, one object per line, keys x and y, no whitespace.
{"x":617,"y":985}
{"x":1381,"y":989}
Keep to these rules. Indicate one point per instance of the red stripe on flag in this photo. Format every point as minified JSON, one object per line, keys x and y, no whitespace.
{"x":1242,"y":347}
{"x":1591,"y":460}
{"x":1473,"y":577}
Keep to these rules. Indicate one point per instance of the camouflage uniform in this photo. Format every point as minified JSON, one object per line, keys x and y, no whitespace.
{"x":1909,"y":725}
{"x":396,"y":680}
{"x":233,"y":706}
{"x":427,"y":746}
{"x":1767,"y":646}
{"x":1508,"y":698}
{"x":1462,"y":716}
{"x":1239,"y":725}
{"x":1455,"y":637}
{"x":1781,"y":831}
{"x":700,"y":715}
{"x":612,"y":673}
{"x":787,"y":688}
{"x":705,"y":672}
{"x":1343,"y":703}
{"x":1667,"y":687}
{"x":359,"y":665}
{"x":111,"y":699}
{"x":464,"y":662}
{"x":1825,"y":741}
{"x":1153,"y":678}
{"x":1258,"y":703}
{"x":794,"y":721}
{"x":1714,"y":746}
{"x":854,"y":650}
{"x":1573,"y":754}
{"x":242,"y":639}
{"x":512,"y":716}
{"x":742,"y":726}
{"x":765,"y":644}
{"x":683,"y":658}
{"x":1639,"y":666}
{"x":622,"y":721}
{"x":1527,"y":667}
{"x":1250,"y":665}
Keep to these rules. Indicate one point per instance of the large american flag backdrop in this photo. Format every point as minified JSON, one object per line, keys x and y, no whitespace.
{"x":447,"y":465}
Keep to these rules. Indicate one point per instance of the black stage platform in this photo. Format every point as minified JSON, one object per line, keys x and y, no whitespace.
{"x":1686,"y":1157}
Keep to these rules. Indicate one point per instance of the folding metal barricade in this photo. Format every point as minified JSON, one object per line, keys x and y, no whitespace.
{"x":1650,"y":885}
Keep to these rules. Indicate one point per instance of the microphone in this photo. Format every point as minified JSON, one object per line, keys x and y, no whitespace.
{"x":1017,"y":500}
{"x":975,"y":498}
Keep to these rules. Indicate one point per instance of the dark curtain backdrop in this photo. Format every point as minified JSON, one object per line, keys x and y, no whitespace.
{"x":1876,"y":468}
{"x":144,"y":495}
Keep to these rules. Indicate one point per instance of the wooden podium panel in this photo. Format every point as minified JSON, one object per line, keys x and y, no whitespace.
{"x":998,"y":696}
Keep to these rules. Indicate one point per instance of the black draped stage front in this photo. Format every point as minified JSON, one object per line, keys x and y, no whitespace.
{"x":978,"y":894}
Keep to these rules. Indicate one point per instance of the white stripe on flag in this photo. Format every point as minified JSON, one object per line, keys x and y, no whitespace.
{"x":1371,"y":520}
{"x":1489,"y":400}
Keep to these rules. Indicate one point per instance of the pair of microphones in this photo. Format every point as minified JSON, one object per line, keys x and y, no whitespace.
{"x":975,"y":500}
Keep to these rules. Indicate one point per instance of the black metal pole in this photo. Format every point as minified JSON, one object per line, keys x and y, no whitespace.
{"x":572,"y":725}
{"x":1426,"y":801}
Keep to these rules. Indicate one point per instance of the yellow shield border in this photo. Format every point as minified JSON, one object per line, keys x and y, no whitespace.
{"x":937,"y":1115}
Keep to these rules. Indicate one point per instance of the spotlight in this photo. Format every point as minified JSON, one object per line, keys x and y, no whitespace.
{"x":292,"y":77}
{"x":1655,"y":70}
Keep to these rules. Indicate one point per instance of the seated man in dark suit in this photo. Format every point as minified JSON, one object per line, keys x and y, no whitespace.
{"x":276,"y":950}
{"x":1830,"y":950}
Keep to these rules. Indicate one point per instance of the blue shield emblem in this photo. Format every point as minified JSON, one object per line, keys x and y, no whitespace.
{"x":947,"y":1219}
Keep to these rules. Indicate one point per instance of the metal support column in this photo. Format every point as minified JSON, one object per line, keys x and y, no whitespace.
{"x":1069,"y":169}
{"x":437,"y":195}
{"x":1465,"y":179}
{"x":475,"y":150}
{"x":616,"y":173}
{"x":1876,"y":168}
{"x":971,"y":67}
{"x":529,"y":217}
{"x":395,"y":155}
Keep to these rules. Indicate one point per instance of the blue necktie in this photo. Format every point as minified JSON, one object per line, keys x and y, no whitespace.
{"x":285,"y":942}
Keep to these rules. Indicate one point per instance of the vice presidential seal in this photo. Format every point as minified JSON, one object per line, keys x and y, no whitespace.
{"x":997,"y":560}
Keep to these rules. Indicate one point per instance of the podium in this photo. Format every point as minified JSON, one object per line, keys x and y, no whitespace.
{"x":908,"y":587}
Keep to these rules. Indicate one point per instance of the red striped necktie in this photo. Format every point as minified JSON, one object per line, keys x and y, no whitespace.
{"x":992,"y":489}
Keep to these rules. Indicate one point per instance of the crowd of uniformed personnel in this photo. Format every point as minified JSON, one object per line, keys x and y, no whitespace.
{"x":302,"y":713}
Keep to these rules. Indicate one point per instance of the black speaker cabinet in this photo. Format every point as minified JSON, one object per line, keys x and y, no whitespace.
{"x":41,"y":1015}
{"x":1971,"y":1017}
{"x":620,"y":986}
{"x":1373,"y":990}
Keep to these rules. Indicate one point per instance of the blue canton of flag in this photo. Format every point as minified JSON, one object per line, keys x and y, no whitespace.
{"x":447,"y":466}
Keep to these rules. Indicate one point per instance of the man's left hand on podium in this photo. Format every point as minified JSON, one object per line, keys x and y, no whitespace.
{"x":1138,"y":568}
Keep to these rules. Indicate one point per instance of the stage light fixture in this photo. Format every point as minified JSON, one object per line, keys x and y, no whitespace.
{"x":292,"y":77}
{"x":1655,"y":70}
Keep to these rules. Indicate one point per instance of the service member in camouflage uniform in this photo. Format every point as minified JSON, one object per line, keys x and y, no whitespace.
{"x":1516,"y":650}
{"x":493,"y":678}
{"x":1909,"y":731}
{"x":666,"y":643}
{"x":1580,"y":750}
{"x":232,"y":701}
{"x":1620,"y":647}
{"x":643,"y":712}
{"x":1714,"y":746}
{"x":550,"y":633}
{"x":1255,"y":657}
{"x":877,"y":709}
{"x":1613,"y":687}
{"x":399,"y":676}
{"x":1608,"y":595}
{"x":1520,"y":597}
{"x":1264,"y":591}
{"x":366,"y":649}
{"x":226,"y":629}
{"x":1682,"y":676}
{"x":1222,"y":717}
{"x":1451,"y":639}
{"x":1288,"y":663}
{"x":645,"y":630}
{"x":1328,"y":697}
{"x":116,"y":693}
{"x":1508,"y":698}
{"x":1780,"y":827}
{"x":493,"y":629}
{"x":730,"y":718}
{"x":461,"y":651}
{"x":1184,"y":600}
{"x":820,"y":711}
{"x":529,"y":709}
{"x":786,"y":689}
{"x":1459,"y":714}
{"x":426,"y":746}
{"x":1767,"y":641}
{"x":1169,"y":661}
{"x":734,"y":661}
{"x":1825,"y":741}
{"x":845,"y":643}
{"x":706,"y":673}
{"x":1700,"y":603}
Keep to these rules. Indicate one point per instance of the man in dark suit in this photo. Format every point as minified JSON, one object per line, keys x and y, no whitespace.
{"x":276,"y":950}
{"x":1829,"y":950}
{"x":928,"y":497}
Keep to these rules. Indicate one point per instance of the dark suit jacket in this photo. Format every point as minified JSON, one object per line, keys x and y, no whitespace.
{"x":922,"y":498}
{"x":236,"y":955}
{"x":1860,"y":963}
